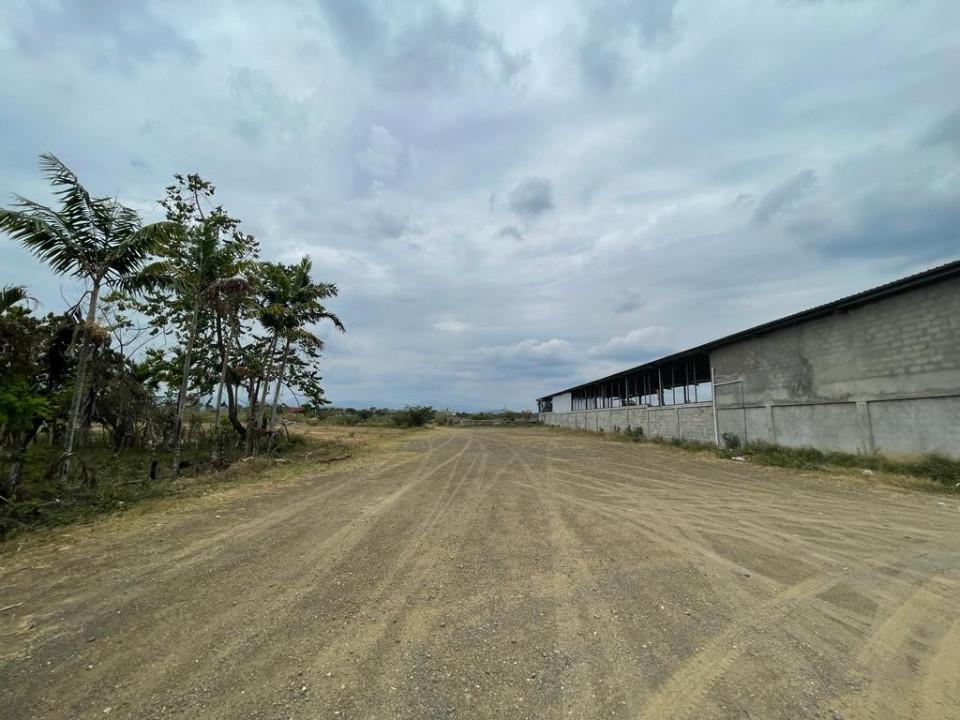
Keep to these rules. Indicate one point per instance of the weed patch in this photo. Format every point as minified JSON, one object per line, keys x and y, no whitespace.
{"x":109,"y":482}
{"x":939,"y":468}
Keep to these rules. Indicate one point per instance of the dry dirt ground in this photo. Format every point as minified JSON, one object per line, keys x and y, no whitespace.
{"x":499,"y":573}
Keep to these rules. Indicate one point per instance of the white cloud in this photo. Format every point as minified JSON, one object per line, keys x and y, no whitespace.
{"x":382,"y":156}
{"x":648,"y":172}
{"x":451,"y":326}
{"x":636,"y":345}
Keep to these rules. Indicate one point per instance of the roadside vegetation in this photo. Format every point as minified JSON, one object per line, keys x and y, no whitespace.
{"x":504,"y":417}
{"x":942,"y":470}
{"x":172,"y":360}
{"x":416,"y":416}
{"x":411,"y":416}
{"x":930,"y":466}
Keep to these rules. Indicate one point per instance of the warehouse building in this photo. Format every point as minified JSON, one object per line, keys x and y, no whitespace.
{"x":876,"y":372}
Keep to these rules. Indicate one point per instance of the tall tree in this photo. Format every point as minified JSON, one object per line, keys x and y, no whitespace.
{"x":230,"y":296}
{"x":293,"y":303}
{"x":96,"y":239}
{"x":185,"y":281}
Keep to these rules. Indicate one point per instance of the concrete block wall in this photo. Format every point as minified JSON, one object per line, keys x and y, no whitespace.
{"x":690,"y":422}
{"x":882,"y":377}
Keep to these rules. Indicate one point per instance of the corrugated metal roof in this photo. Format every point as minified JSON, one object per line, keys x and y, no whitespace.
{"x":927,"y":277}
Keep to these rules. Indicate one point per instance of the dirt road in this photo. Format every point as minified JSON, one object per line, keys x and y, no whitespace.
{"x":491,"y":573}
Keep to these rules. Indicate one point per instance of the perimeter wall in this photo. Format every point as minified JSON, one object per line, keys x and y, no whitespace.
{"x":882,"y":377}
{"x":691,"y":422}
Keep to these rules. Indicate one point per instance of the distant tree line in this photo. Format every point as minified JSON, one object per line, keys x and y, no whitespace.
{"x":176,"y":316}
{"x":409,"y":416}
{"x":413,"y":416}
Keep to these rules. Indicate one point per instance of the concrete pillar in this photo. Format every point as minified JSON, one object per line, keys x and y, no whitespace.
{"x":866,"y":428}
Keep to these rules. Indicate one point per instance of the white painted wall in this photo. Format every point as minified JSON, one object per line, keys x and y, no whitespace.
{"x":562,"y":403}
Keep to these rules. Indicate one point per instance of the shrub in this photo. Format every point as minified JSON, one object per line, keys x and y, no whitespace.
{"x":730,"y":440}
{"x":413,"y":416}
{"x":634,"y":433}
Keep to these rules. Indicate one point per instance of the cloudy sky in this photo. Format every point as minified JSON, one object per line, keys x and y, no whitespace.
{"x":512,"y":197}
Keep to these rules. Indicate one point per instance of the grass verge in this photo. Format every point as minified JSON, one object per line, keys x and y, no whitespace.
{"x":931,"y":466}
{"x":941,"y":470}
{"x":116,"y":483}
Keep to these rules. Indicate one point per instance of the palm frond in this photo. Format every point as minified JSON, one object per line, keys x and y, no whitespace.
{"x":48,"y":241}
{"x":10,"y":295}
{"x":80,"y":211}
{"x":138,"y":243}
{"x":152,"y":277}
{"x":334,"y":319}
{"x":306,"y":338}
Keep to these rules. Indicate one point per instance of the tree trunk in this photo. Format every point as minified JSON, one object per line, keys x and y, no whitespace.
{"x":19,"y":442}
{"x":13,"y":478}
{"x":276,"y":392}
{"x":258,"y":414}
{"x":73,"y":420}
{"x":217,"y":446}
{"x":253,"y":392}
{"x":182,"y":398}
{"x":233,"y":413}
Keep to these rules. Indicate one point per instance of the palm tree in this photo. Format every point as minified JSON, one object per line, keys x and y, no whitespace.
{"x":293,"y":302}
{"x":10,"y":295}
{"x":96,"y":239}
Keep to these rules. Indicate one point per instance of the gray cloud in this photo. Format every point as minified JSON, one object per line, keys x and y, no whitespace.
{"x":434,"y":48}
{"x":945,"y":131}
{"x":613,"y":33}
{"x":784,"y":196}
{"x":373,"y":134}
{"x":103,"y":31}
{"x":531,"y":197}
{"x":510,"y":231}
{"x":923,"y":227}
{"x":627,"y":302}
{"x":385,"y":224}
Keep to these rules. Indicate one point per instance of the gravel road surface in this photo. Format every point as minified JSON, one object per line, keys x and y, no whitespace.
{"x":499,"y":573}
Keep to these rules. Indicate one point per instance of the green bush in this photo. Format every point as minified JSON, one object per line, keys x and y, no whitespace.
{"x":413,"y":416}
{"x":634,"y":433}
{"x":731,"y":441}
{"x":933,"y":466}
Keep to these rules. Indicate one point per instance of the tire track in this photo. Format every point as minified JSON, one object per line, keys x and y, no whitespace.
{"x":899,"y":683}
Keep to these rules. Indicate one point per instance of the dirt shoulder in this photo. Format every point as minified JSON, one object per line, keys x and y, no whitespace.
{"x":497,"y":573}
